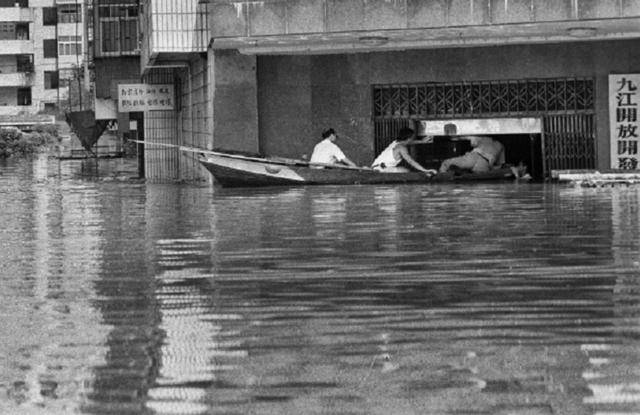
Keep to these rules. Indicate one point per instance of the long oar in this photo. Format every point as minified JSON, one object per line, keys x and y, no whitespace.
{"x":275,"y":160}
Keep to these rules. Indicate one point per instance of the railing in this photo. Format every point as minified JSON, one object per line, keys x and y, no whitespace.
{"x":15,"y":79}
{"x":16,"y":47}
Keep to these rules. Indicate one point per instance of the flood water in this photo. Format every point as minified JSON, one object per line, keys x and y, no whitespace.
{"x":132,"y":298}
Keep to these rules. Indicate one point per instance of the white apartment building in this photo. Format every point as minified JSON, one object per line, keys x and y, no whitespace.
{"x":42,"y":48}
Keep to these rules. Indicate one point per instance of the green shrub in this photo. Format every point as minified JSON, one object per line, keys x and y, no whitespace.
{"x":15,"y":142}
{"x":50,"y":129}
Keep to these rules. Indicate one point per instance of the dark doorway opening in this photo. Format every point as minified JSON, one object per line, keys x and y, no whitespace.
{"x":525,"y":149}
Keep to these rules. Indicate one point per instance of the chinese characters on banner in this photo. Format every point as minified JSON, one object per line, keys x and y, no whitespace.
{"x":624,"y":99}
{"x":145,"y":97}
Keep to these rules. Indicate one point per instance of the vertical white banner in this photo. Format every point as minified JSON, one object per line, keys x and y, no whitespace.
{"x":624,"y":99}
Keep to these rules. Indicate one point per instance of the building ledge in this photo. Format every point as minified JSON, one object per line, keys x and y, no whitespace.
{"x":440,"y":37}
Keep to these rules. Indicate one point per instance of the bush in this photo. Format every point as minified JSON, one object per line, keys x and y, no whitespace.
{"x":50,"y":129}
{"x":15,"y":142}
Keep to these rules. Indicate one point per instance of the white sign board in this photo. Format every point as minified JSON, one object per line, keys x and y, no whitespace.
{"x":480,"y":126}
{"x":624,"y":99}
{"x":145,"y":97}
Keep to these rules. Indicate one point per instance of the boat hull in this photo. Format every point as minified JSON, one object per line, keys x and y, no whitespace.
{"x":239,"y":171}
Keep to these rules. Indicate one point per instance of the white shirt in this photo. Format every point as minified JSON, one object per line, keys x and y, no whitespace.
{"x":387,"y":157}
{"x":327,"y":152}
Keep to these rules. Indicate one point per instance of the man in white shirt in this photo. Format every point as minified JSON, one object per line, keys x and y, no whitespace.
{"x":327,"y":152}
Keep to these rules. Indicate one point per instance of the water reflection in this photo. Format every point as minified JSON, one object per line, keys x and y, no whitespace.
{"x":486,"y":299}
{"x":52,"y":334}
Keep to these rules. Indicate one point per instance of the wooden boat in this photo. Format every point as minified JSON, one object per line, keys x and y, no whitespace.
{"x":235,"y":170}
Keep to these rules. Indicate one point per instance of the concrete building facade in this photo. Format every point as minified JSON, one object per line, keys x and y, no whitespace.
{"x":116,"y":54}
{"x":44,"y":46}
{"x":278,"y":72}
{"x":174,"y":52}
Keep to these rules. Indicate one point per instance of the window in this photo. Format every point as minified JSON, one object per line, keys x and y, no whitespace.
{"x":50,"y":49}
{"x":22,"y":31}
{"x":12,"y":3}
{"x":24,"y":96}
{"x":129,"y":35}
{"x":109,"y":36}
{"x":24,"y":63}
{"x":69,"y":13}
{"x":7,"y":31}
{"x":49,"y":16}
{"x":49,"y":106}
{"x":69,"y":45}
{"x":13,"y":31}
{"x":118,"y":10}
{"x":118,"y":28}
{"x":50,"y":79}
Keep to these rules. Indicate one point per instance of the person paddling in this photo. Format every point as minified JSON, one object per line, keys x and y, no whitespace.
{"x":327,"y":152}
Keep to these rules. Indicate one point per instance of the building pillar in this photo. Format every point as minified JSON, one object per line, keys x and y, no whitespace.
{"x":233,"y":87}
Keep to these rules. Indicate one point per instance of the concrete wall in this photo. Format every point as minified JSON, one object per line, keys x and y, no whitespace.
{"x":161,"y":162}
{"x":235,"y":100}
{"x":301,"y":95}
{"x":233,"y":18}
{"x":194,"y":118}
{"x":111,"y":71}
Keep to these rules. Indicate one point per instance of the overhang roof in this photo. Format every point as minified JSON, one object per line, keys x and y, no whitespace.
{"x":435,"y":37}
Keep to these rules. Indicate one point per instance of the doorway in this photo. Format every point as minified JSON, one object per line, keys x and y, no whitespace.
{"x":565,"y":106}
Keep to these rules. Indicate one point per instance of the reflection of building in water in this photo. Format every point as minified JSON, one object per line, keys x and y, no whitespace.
{"x":387,"y":201}
{"x":193,"y":332}
{"x":613,"y":375}
{"x":62,"y":326}
{"x":329,"y":212}
{"x":193,"y":347}
{"x":125,"y":300}
{"x":625,"y":217}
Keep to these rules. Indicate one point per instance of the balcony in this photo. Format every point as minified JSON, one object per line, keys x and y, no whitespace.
{"x":16,"y":47}
{"x":16,"y":79}
{"x":15,"y":14}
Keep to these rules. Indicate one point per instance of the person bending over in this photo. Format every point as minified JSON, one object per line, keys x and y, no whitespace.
{"x":487,"y":154}
{"x":396,"y":158}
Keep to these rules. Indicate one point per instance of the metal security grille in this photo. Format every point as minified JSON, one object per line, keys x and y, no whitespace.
{"x":484,"y":98}
{"x":569,"y":142}
{"x":566,"y":106}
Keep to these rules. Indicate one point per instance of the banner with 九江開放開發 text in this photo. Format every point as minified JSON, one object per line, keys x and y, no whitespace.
{"x":624,"y":99}
{"x":145,"y":97}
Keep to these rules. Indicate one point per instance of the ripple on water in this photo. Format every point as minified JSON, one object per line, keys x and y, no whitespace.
{"x":496,"y":299}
